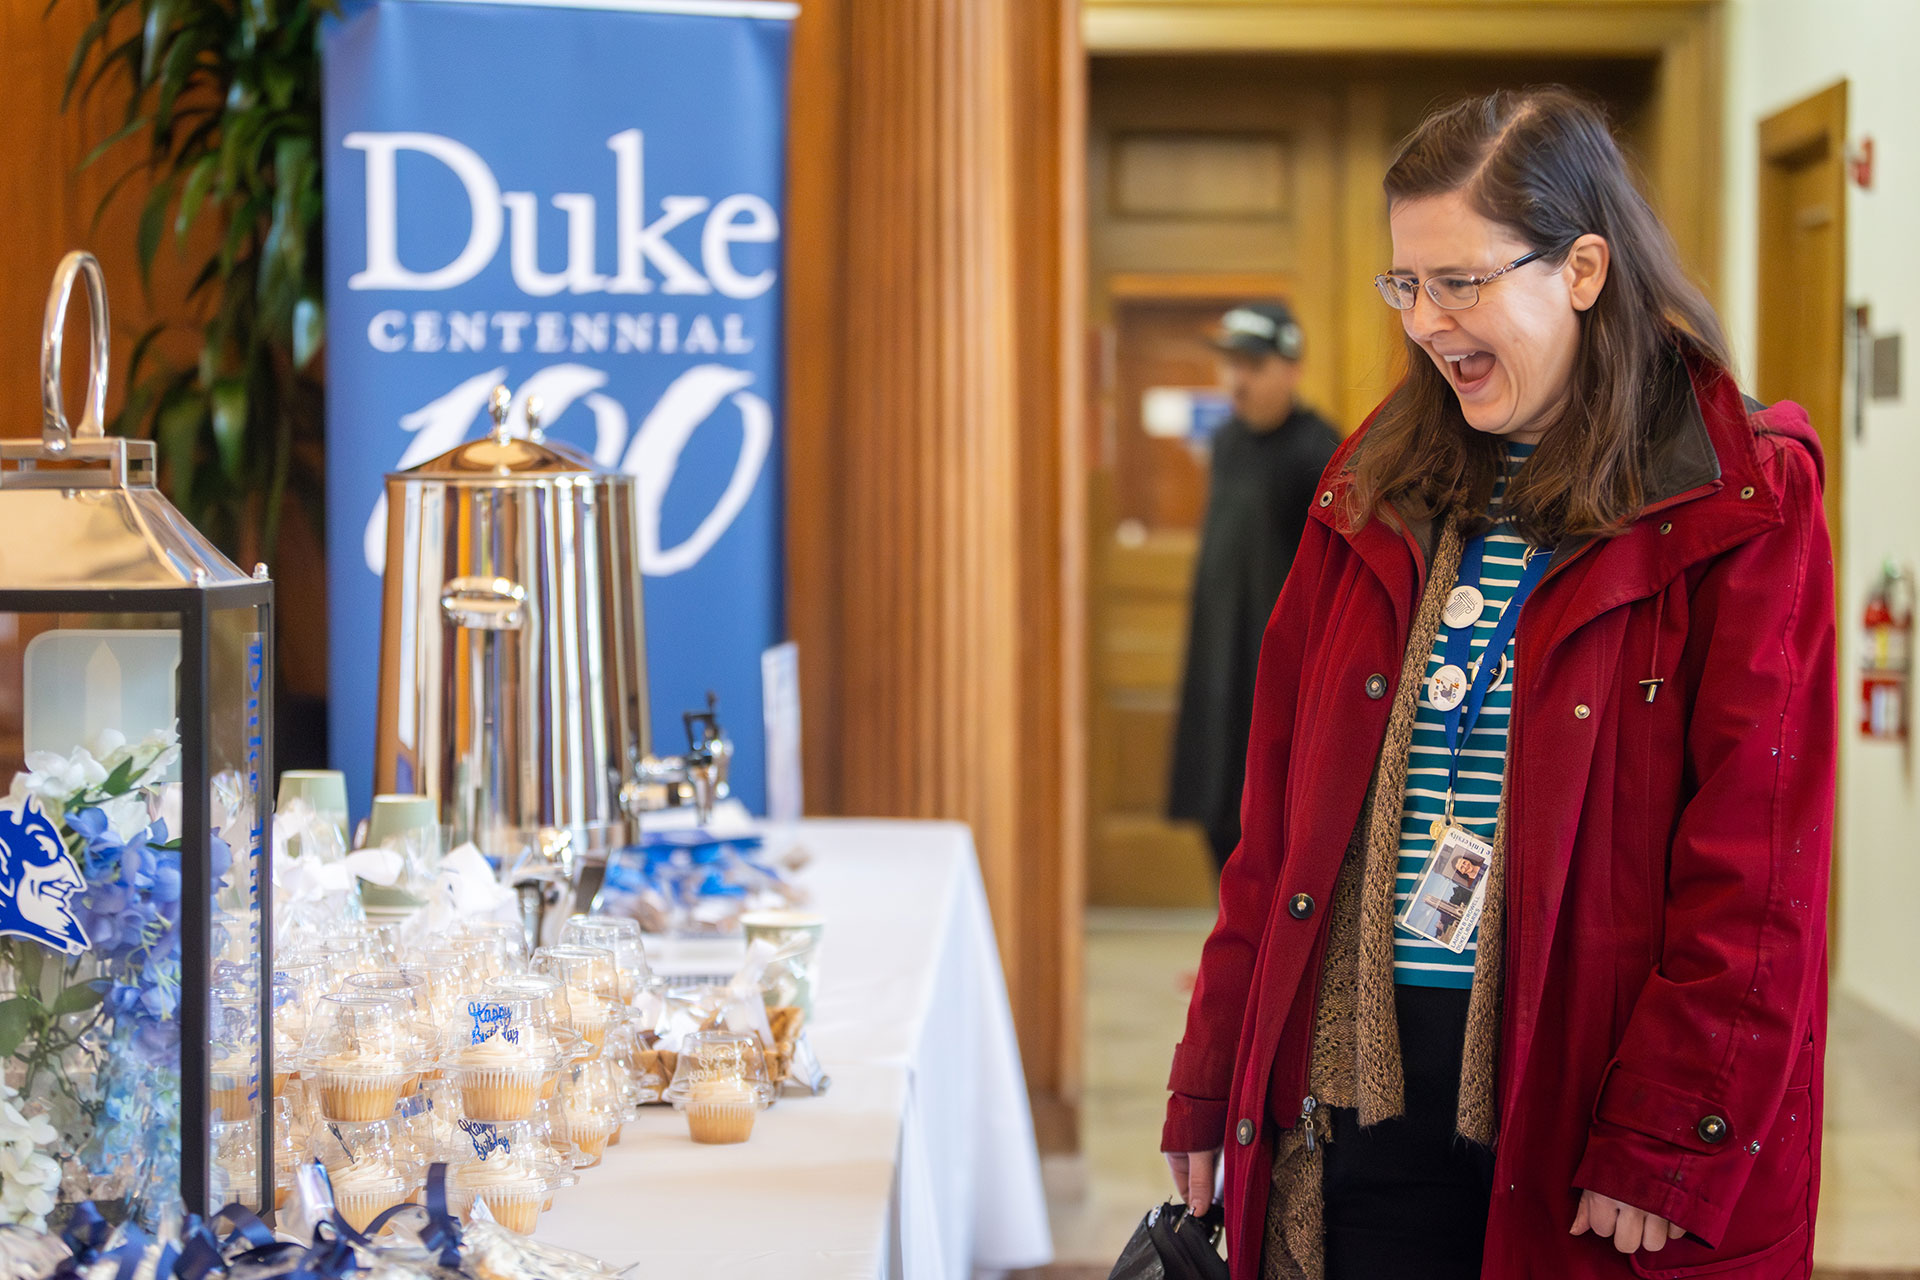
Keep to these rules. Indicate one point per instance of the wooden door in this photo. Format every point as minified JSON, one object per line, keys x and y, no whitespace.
{"x":1802,"y":269}
{"x":1143,"y":568}
{"x":1204,"y":191}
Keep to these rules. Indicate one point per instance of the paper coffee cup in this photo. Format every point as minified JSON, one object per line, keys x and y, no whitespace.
{"x":795,"y":935}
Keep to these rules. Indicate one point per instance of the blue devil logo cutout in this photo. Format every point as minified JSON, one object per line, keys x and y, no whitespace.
{"x":38,"y":882}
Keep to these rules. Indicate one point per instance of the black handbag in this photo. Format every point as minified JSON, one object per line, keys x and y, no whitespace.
{"x":1172,"y":1244}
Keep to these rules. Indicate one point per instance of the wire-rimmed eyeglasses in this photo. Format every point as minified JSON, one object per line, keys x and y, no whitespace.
{"x":1449,"y":293}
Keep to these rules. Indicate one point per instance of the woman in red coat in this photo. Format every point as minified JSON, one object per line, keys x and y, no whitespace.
{"x":1521,"y":963}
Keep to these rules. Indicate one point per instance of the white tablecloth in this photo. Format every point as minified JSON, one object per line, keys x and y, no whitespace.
{"x":919,"y":1162}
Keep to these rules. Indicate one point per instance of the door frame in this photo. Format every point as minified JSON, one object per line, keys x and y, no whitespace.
{"x":1815,"y":123}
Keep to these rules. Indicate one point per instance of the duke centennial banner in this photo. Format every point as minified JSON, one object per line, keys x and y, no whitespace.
{"x":581,"y":201}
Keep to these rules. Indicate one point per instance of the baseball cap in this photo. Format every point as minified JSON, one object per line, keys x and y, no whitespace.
{"x":1259,"y":329}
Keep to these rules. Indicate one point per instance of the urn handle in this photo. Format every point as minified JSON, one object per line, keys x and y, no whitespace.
{"x":485,"y":604}
{"x":55,"y":432}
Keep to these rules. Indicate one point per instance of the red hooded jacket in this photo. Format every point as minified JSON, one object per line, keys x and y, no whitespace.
{"x":1664,"y":1015}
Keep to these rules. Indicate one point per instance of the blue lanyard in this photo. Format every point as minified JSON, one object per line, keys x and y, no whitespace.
{"x":1460,"y":647}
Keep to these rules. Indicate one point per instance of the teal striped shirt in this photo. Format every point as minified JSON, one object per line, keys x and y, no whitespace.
{"x":1483,"y":759}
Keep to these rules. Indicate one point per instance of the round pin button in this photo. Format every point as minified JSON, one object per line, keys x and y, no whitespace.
{"x":1711,"y":1129}
{"x":1244,"y":1132}
{"x":1447,"y":688}
{"x":1300,"y":906}
{"x":1376,"y":686}
{"x":1464,"y":606}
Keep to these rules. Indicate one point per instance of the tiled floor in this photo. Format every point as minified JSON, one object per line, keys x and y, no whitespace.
{"x":1139,"y":961}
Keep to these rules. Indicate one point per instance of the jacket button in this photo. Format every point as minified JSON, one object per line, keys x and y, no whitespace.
{"x":1244,"y":1132}
{"x":1376,"y":686}
{"x":1710,"y":1129}
{"x":1582,"y":711}
{"x":1300,"y":906}
{"x":1326,"y":498}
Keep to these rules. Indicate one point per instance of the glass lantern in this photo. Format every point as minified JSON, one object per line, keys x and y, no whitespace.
{"x":135,"y":720}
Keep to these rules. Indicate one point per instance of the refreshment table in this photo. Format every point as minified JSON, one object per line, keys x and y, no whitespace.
{"x":919,"y":1162}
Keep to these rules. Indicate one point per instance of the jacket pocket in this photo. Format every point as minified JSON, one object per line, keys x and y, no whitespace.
{"x":1785,"y":1259}
{"x":1776,"y":1195}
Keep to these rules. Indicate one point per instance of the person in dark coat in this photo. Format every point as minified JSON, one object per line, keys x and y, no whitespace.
{"x":1266,"y":464}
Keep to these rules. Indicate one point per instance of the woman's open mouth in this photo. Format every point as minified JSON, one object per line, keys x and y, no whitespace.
{"x":1470,"y":371}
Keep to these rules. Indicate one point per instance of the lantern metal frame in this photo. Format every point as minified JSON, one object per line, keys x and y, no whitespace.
{"x":203,"y":586}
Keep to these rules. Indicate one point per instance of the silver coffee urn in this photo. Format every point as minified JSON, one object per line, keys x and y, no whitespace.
{"x":513,"y":661}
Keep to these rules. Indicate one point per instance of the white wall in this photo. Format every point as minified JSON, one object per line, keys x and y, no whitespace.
{"x":1781,"y":51}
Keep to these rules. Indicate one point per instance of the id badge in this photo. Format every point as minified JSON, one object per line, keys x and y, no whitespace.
{"x":1447,"y":900}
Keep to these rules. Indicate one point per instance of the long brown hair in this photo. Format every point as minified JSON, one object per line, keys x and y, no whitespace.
{"x":1542,"y":163}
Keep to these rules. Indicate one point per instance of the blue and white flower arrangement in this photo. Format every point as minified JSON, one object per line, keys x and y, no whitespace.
{"x":90,"y":1031}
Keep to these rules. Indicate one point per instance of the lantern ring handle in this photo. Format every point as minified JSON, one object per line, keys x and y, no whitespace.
{"x":55,"y":433}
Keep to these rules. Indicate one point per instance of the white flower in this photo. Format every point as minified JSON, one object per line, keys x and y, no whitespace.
{"x":107,"y":745}
{"x":127,"y":815}
{"x":153,"y":756}
{"x":54,"y":778}
{"x":28,"y":1177}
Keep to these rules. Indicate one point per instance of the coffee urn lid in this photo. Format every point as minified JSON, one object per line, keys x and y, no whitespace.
{"x":499,"y":455}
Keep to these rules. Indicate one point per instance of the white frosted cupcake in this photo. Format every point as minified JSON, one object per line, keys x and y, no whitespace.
{"x":590,"y":1015}
{"x":367,"y":1188}
{"x":721,"y":1111}
{"x":360,"y":1086}
{"x":499,"y":1080}
{"x":588,"y":1127}
{"x":513,"y":1191}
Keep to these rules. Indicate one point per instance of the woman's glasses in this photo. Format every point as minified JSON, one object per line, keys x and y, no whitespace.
{"x":1449,"y":293}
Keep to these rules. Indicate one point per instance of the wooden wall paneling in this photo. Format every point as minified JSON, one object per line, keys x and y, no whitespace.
{"x":1049,"y":93}
{"x":49,"y":208}
{"x":1684,"y":37}
{"x":1370,"y":333}
{"x":934,"y":429}
{"x":1684,"y":143}
{"x":815,"y":263}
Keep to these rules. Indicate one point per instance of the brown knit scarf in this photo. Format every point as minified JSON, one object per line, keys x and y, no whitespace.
{"x":1356,"y":1040}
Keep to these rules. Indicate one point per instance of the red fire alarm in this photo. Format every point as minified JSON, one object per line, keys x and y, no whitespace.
{"x":1861,"y":164}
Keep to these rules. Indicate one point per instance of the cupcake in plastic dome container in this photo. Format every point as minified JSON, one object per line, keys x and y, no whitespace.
{"x":419,"y":1020}
{"x":620,"y":936}
{"x":500,"y":948}
{"x":594,"y":1103}
{"x":289,"y":1031}
{"x":233,"y":1053}
{"x":370,"y":1168}
{"x":592,"y":984}
{"x":490,"y":1052}
{"x":360,"y":1054}
{"x":548,"y":1034}
{"x":289,"y":1143}
{"x":235,"y":1175}
{"x":368,"y":1186}
{"x":500,"y":1166}
{"x":549,"y":1125}
{"x":721,"y":1085}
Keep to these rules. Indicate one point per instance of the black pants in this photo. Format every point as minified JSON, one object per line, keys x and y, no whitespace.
{"x":1408,"y":1197}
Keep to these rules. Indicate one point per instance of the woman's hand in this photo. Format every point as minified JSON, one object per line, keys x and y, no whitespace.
{"x":1193,"y":1177}
{"x":1630,"y":1228}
